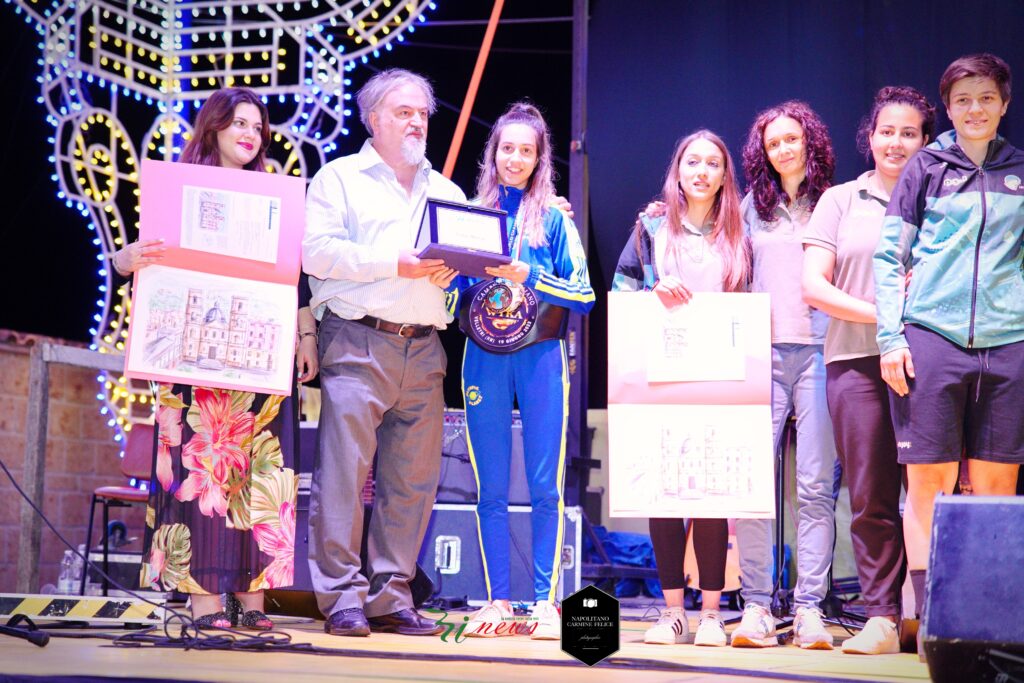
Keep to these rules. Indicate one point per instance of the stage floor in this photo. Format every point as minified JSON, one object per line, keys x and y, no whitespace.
{"x":385,"y":658}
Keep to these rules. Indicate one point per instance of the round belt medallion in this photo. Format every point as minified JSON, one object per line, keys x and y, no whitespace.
{"x":501,"y":315}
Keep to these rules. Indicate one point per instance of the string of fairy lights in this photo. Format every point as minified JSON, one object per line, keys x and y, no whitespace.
{"x":117,"y":79}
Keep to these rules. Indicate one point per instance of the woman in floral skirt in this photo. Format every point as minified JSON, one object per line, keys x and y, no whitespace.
{"x":221,"y":514}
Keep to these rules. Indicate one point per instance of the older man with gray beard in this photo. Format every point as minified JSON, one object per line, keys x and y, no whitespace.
{"x":381,"y":361}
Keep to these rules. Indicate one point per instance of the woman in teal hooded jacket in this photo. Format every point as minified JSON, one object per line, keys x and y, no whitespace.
{"x":953,"y":345}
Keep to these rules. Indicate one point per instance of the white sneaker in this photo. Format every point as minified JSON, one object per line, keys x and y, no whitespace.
{"x":672,"y":628}
{"x":756,"y":629}
{"x":710,"y":630}
{"x":878,"y":637}
{"x":809,"y":630}
{"x":490,"y":621}
{"x":548,"y":621}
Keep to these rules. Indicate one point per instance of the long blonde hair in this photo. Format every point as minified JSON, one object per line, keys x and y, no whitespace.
{"x":541,"y":184}
{"x":727,"y":233}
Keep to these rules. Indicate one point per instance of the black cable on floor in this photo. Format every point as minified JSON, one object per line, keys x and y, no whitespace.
{"x":191,"y":638}
{"x":264,"y":643}
{"x":189,"y":633}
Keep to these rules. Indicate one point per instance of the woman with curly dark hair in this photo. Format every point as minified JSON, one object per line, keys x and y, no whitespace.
{"x":789,"y":163}
{"x":837,"y":278}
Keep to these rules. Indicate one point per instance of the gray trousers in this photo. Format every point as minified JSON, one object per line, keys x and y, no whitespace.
{"x":798,"y":384}
{"x":381,"y":393}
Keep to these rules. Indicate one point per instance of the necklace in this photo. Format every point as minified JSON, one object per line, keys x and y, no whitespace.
{"x":697,"y":256}
{"x":688,"y":233}
{"x":694,"y":253}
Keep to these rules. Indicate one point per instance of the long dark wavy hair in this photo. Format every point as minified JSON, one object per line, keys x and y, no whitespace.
{"x":216,"y":115}
{"x":764,"y":183}
{"x":727,"y":233}
{"x":896,"y":94}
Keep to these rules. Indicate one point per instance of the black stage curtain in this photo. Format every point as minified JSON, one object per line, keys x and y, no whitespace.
{"x":660,"y":69}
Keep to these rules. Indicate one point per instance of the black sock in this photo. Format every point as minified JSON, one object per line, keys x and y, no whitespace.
{"x":919,"y":580}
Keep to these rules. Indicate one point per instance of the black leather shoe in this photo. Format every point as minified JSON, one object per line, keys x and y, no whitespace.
{"x":347,"y":622}
{"x":406,"y":622}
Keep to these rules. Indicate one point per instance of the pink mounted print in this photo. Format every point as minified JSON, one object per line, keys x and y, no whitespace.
{"x":220,"y":310}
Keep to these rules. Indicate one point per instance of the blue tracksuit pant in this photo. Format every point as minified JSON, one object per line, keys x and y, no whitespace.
{"x":539,"y":378}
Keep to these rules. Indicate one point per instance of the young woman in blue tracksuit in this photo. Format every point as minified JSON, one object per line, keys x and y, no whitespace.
{"x":549,"y":267}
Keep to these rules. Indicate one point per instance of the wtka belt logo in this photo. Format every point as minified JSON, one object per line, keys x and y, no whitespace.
{"x":1012,"y":182}
{"x":501,"y":315}
{"x":954,"y":182}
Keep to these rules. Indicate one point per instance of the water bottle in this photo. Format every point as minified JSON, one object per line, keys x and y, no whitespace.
{"x":78,"y":566}
{"x":66,"y":579}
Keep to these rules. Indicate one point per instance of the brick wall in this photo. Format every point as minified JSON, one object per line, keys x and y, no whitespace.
{"x":81,"y":455}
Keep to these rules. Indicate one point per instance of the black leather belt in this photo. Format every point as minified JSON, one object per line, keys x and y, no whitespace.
{"x":402,"y":330}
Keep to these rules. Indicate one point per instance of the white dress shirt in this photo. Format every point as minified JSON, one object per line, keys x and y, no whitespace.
{"x":358,"y":218}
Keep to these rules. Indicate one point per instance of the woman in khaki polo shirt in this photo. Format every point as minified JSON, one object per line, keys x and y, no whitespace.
{"x":839,"y":245}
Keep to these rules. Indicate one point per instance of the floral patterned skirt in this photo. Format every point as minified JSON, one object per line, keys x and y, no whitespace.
{"x":221,"y":513}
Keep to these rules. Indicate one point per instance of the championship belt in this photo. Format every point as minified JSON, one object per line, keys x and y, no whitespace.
{"x":503,"y":317}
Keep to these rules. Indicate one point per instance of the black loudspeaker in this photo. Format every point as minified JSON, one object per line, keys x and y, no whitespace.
{"x":974,"y":624}
{"x":451,"y":557}
{"x":304,"y":471}
{"x":458,"y":482}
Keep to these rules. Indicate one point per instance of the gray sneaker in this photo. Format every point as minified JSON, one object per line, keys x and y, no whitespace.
{"x":809,"y":630}
{"x":756,"y":629}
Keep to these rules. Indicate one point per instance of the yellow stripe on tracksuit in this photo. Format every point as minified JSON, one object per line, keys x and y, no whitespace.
{"x":550,"y":285}
{"x":476,"y":476}
{"x":488,"y":408}
{"x":556,"y":561}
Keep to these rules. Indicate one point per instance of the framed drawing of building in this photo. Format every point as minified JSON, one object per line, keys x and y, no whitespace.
{"x":220,"y":310}
{"x":689,"y":406}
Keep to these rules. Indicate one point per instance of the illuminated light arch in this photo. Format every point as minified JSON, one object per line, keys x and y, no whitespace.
{"x":106,"y":65}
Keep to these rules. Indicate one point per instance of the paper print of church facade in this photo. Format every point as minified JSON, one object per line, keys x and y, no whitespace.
{"x":211,"y":329}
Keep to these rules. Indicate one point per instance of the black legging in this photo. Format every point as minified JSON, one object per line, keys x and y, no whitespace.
{"x":710,"y":545}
